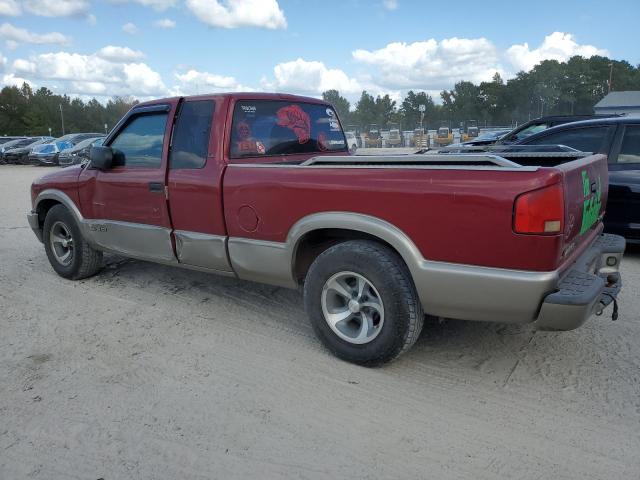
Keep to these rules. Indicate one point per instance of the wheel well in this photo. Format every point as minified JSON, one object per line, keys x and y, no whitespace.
{"x":43,"y":208}
{"x":315,"y":242}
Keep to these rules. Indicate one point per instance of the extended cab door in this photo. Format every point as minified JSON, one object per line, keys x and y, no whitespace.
{"x":196,"y":167}
{"x":126,"y":206}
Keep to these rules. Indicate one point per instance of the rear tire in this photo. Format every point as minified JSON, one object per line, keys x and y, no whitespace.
{"x":362,"y":302}
{"x":69,"y":253}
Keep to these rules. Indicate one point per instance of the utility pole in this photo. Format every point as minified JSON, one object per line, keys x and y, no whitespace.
{"x":61,"y":118}
{"x":610,"y":76}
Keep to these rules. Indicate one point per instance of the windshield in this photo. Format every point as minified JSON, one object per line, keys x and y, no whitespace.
{"x":83,"y":144}
{"x":530,"y":130}
{"x":46,"y":148}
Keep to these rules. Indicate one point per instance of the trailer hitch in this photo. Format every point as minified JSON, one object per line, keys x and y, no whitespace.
{"x":614,"y":314}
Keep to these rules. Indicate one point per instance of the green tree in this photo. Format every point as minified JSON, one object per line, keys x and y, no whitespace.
{"x":385,"y":110}
{"x":366,"y":112}
{"x":341,"y":105}
{"x":410,"y":110}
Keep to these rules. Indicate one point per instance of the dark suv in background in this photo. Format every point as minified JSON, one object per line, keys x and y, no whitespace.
{"x":619,"y":139}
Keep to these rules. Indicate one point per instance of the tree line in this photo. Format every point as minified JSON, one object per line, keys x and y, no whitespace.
{"x":550,"y":88}
{"x":24,"y":111}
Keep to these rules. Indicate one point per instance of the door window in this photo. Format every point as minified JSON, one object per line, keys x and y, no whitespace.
{"x":630,"y":149}
{"x":139,"y":144}
{"x":263,"y":128}
{"x":190,"y":144}
{"x":590,"y":139}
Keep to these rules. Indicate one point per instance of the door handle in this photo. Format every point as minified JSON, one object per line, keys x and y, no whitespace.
{"x":156,"y":187}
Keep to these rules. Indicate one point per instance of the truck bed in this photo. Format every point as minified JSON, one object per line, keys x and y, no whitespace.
{"x":455,"y":208}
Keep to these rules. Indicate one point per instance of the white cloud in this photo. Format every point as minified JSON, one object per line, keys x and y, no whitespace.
{"x":11,"y":80}
{"x":3,"y":62}
{"x":159,"y":5}
{"x":119,"y":54}
{"x":557,"y":46}
{"x":238,"y":13}
{"x":311,"y":77}
{"x":10,"y":8}
{"x":130,"y":28}
{"x":24,"y":66}
{"x":194,"y":82}
{"x":390,"y":4}
{"x":20,"y":35}
{"x":165,"y":23}
{"x":92,"y":74}
{"x":431,"y":64}
{"x":91,"y":19}
{"x":57,"y":8}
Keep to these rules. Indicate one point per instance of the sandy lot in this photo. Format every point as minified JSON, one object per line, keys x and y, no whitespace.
{"x":149,"y":372}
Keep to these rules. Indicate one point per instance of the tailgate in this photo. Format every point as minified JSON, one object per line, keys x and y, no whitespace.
{"x":586,"y":184}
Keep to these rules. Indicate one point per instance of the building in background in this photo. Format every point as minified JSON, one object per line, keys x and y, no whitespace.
{"x":619,"y":102}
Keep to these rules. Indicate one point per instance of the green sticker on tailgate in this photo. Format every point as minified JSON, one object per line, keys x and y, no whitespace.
{"x":592,"y":202}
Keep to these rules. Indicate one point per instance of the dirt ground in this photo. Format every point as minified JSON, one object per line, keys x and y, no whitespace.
{"x":149,"y":372}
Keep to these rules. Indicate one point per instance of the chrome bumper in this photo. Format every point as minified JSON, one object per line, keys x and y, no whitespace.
{"x":587,"y":288}
{"x":34,"y":223}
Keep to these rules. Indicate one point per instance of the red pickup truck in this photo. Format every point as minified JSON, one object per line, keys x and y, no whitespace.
{"x":261,"y":187}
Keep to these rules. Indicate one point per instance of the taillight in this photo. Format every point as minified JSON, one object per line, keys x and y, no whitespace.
{"x":540,"y":211}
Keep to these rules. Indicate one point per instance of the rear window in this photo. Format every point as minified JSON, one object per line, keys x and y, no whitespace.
{"x":263,"y":128}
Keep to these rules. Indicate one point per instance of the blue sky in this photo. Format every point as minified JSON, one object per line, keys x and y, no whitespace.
{"x":384,"y":46}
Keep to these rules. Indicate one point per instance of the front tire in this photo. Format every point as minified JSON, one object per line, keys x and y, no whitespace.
{"x":362,"y":302}
{"x":69,"y":253}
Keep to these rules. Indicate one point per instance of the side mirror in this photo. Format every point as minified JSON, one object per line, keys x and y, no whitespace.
{"x":101,"y":158}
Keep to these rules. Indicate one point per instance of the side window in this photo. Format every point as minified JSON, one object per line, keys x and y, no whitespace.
{"x":264,"y":127}
{"x":139,"y":144}
{"x":630,"y":149}
{"x":589,"y":139}
{"x":190,"y":143}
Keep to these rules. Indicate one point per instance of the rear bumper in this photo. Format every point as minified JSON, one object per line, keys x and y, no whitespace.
{"x":469,"y":292}
{"x":588,"y":287}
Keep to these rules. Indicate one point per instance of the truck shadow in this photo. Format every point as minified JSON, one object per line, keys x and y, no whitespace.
{"x":466,"y":352}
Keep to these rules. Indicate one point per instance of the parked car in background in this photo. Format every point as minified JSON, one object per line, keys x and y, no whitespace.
{"x":18,"y":151}
{"x":78,"y":153}
{"x":4,"y":140}
{"x":619,"y":139}
{"x":532,"y":127}
{"x":47,"y":153}
{"x":10,"y":144}
{"x":75,"y":138}
{"x":352,"y":142}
